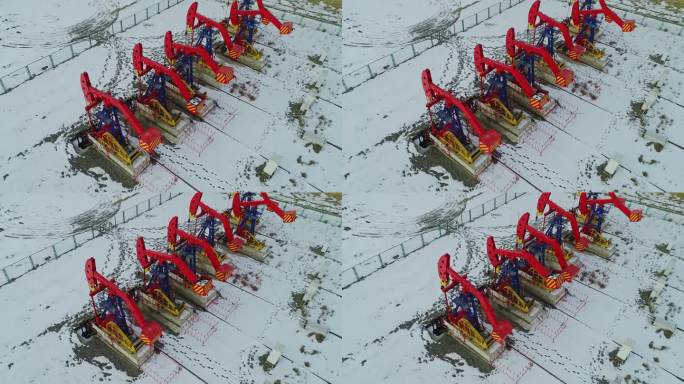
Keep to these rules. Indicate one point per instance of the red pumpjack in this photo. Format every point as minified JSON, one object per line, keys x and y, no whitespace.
{"x":152,"y":102}
{"x":254,"y":247}
{"x":545,"y":248}
{"x":227,"y":240}
{"x":196,"y":288}
{"x":179,"y":91}
{"x":134,"y":342}
{"x":449,"y":135}
{"x":532,"y":98}
{"x":538,"y":20}
{"x":517,"y":273}
{"x":547,"y":69}
{"x":584,"y":25}
{"x":580,"y":242}
{"x":157,"y":297}
{"x":227,"y":49}
{"x":577,"y":15}
{"x":242,"y":23}
{"x":592,"y":212}
{"x":537,"y":279}
{"x":462,"y":320}
{"x":266,"y":16}
{"x":113,"y":140}
{"x":206,"y":69}
{"x":208,"y":260}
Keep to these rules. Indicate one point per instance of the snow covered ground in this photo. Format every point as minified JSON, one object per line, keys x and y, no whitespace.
{"x":391,"y":194}
{"x":259,"y":308}
{"x":386,"y":339}
{"x":262,"y":122}
{"x":598,"y":118}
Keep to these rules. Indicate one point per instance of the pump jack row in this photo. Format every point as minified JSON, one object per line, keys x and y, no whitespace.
{"x":521,"y":279}
{"x":169,"y":95}
{"x":512,"y":89}
{"x":179,"y":280}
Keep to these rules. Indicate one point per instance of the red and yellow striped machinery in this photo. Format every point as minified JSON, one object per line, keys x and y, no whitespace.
{"x":521,"y":53}
{"x":463,"y":321}
{"x":188,"y":245}
{"x":135,"y":342}
{"x":447,"y":132}
{"x":193,"y":286}
{"x":545,"y":248}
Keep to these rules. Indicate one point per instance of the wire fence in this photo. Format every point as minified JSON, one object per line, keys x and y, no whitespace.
{"x":75,"y":48}
{"x":363,"y":269}
{"x":369,"y":71}
{"x":56,"y":250}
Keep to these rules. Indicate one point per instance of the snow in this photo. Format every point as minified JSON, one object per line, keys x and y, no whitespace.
{"x":250,"y":132}
{"x":571,"y":345}
{"x":562,"y":153}
{"x":289,"y":120}
{"x":221,"y":346}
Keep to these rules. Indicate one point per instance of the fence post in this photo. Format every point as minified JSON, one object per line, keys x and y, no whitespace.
{"x":470,"y":215}
{"x":370,"y":71}
{"x":168,"y":3}
{"x":506,"y":197}
{"x":403,"y":252}
{"x":483,"y":209}
{"x":136,"y":210}
{"x":382,"y":263}
{"x":494,"y":202}
{"x":33,"y":265}
{"x":475,"y":18}
{"x":422,"y":239}
{"x":158,"y":8}
{"x":462,"y":25}
{"x":6,"y":275}
{"x":54,"y":251}
{"x":346,"y":88}
{"x":52,"y":62}
{"x":394,"y":63}
{"x":160,"y":199}
{"x":356,"y":274}
{"x":488,"y":15}
{"x":71,"y":48}
{"x":413,"y":48}
{"x":29,"y":72}
{"x":120,"y":25}
{"x":499,"y":7}
{"x":92,"y":232}
{"x":3,"y":86}
{"x":75,"y":243}
{"x":123,"y":213}
{"x":147,"y":13}
{"x":149,"y":206}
